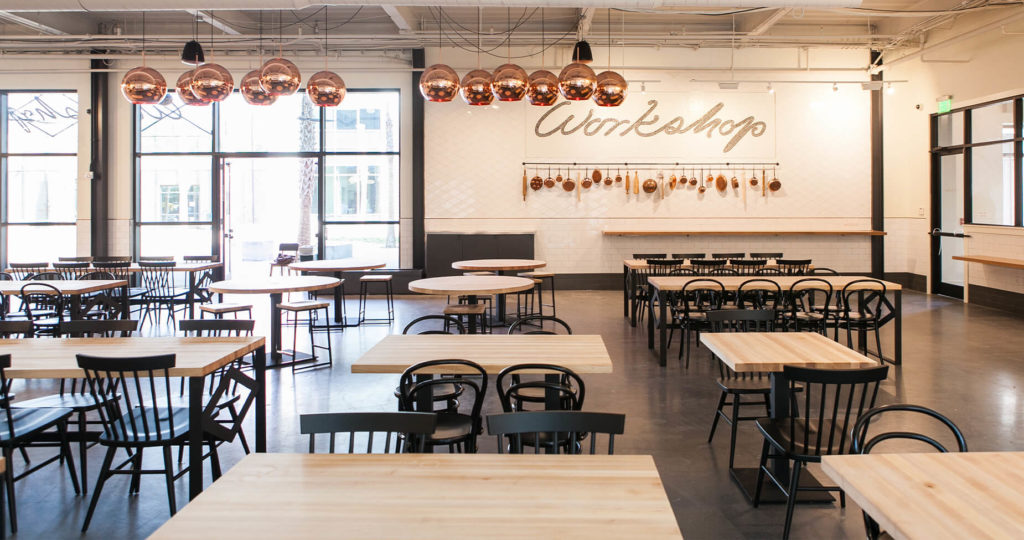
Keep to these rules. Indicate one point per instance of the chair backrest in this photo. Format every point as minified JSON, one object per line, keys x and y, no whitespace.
{"x":98,"y":328}
{"x":702,"y":294}
{"x":199,"y":258}
{"x":216,"y":327}
{"x":409,"y":389}
{"x":408,"y":430}
{"x":110,"y":259}
{"x":448,"y":322}
{"x":156,"y":278}
{"x":863,"y":445}
{"x":822,"y":271}
{"x":25,"y":270}
{"x":72,"y":270}
{"x":539,"y":320}
{"x":74,"y":259}
{"x":766,"y":255}
{"x":663,"y":267}
{"x":40,"y":298}
{"x":727,"y":256}
{"x":721,"y":272}
{"x":793,"y":267}
{"x":688,"y":255}
{"x":565,"y":429}
{"x":747,"y":267}
{"x":809,"y":295}
{"x":759,"y":293}
{"x":513,"y":393}
{"x":768,"y":272}
{"x":47,"y":276}
{"x":97,"y":274}
{"x":873,"y":297}
{"x":119,"y":269}
{"x":292,"y":247}
{"x":648,"y":255}
{"x":833,"y":400}
{"x":742,"y":320}
{"x":140,"y":414}
{"x":702,"y":266}
{"x":16,"y":329}
{"x":682,"y":272}
{"x":6,"y":276}
{"x":157,"y":258}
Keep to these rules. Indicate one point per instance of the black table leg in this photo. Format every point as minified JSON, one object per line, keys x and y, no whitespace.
{"x":275,"y":327}
{"x":633,"y":306}
{"x":259,"y":367}
{"x":650,"y":322}
{"x":195,"y":437}
{"x":898,"y":329}
{"x":625,"y":291}
{"x":425,"y":402}
{"x":662,"y":326}
{"x":191,"y":298}
{"x":472,"y":299}
{"x":339,"y":295}
{"x":501,"y":305}
{"x":126,"y":308}
{"x":76,"y":307}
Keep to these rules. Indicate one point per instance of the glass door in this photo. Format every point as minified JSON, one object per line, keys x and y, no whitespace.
{"x":267,"y":201}
{"x":948,"y":235}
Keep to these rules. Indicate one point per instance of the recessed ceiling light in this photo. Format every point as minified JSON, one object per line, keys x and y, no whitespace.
{"x":728,"y":85}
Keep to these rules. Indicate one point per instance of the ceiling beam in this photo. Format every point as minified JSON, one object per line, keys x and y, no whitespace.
{"x":586,"y":19}
{"x":28,"y":23}
{"x":759,"y":24}
{"x":208,"y":19}
{"x":401,"y":16}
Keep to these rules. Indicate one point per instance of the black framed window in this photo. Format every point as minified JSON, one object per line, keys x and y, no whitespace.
{"x":38,"y":175}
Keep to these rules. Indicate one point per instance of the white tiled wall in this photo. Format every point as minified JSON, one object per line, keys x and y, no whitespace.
{"x":995,"y":242}
{"x":906,"y":245}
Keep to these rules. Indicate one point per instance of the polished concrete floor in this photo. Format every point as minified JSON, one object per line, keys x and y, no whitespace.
{"x":962,"y":360}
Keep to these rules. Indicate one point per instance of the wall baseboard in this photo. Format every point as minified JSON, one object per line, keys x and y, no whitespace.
{"x":909,"y":280}
{"x":1010,"y":301}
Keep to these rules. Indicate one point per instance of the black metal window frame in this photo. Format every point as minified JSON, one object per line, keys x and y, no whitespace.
{"x":5,"y":222}
{"x":216,"y":156}
{"x":966,"y":148}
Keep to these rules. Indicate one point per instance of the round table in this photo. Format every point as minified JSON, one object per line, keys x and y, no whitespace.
{"x":275,"y":287}
{"x":472,"y":286}
{"x":336,"y":267}
{"x":500,"y":266}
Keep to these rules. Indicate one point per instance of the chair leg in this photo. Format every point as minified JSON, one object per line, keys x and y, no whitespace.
{"x":760,"y":473}
{"x":104,"y":474}
{"x":169,"y":477}
{"x":732,"y":435}
{"x":83,"y":446}
{"x":878,"y":342}
{"x":714,"y":422}
{"x":12,"y":510}
{"x":133,"y":488}
{"x":65,"y":450}
{"x":794,"y":488}
{"x":215,"y":471}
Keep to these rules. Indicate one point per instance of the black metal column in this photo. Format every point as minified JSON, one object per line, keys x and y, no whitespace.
{"x":419,"y":236}
{"x":99,"y":190}
{"x":877,"y":178}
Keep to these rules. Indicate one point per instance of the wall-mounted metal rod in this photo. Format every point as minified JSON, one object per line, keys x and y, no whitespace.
{"x":631,"y":164}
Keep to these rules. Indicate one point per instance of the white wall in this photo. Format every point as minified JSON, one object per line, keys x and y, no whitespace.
{"x":822,"y":140}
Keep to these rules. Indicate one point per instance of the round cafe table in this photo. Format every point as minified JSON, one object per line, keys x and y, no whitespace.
{"x":501,"y":266}
{"x":336,"y":267}
{"x":471,"y":287}
{"x":275,"y":287}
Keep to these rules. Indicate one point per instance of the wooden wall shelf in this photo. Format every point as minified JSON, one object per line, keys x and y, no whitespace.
{"x":742,"y":233}
{"x":993,"y":261}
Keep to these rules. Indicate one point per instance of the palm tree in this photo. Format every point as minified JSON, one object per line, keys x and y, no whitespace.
{"x":307,"y":171}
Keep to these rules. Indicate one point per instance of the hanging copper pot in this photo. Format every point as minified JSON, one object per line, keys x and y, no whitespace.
{"x":672,"y":180}
{"x":558,"y":178}
{"x":693,"y":179}
{"x":618,"y":177}
{"x":735,"y":181}
{"x":596,"y":175}
{"x":568,"y":184}
{"x":702,"y":187}
{"x":721,"y":183}
{"x":586,"y":182}
{"x":775,"y":184}
{"x":549,"y":182}
{"x":536,"y":182}
{"x":753,"y":178}
{"x":650,"y":186}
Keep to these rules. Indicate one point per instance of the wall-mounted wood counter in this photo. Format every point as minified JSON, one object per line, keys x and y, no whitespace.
{"x":994,"y":261}
{"x":743,"y":233}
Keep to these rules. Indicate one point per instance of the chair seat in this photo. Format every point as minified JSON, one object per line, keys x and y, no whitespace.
{"x":224,"y":307}
{"x":377,"y":278}
{"x":442,"y":392}
{"x":777,"y":432}
{"x":859,"y":317}
{"x":809,"y":316}
{"x":451,"y":428}
{"x":76,"y":401}
{"x":745,"y":386}
{"x":136,"y":436}
{"x":303,"y":305}
{"x":465,"y":309}
{"x":29,"y":421}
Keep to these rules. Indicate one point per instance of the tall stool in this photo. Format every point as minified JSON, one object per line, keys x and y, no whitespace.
{"x":525,"y":300}
{"x":219,"y":309}
{"x":548,"y":277}
{"x":311,"y":309}
{"x":475,"y":316}
{"x":364,"y":285}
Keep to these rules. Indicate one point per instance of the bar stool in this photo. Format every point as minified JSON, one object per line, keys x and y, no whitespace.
{"x":311,"y":309}
{"x":219,"y":309}
{"x":543,"y":276}
{"x":471,"y":314}
{"x":524,"y":300}
{"x":364,"y":285}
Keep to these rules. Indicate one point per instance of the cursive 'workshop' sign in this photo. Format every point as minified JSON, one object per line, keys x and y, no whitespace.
{"x":682,"y":126}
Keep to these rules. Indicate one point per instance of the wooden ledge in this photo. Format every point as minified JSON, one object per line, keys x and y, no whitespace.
{"x":993,"y":261}
{"x":743,"y":233}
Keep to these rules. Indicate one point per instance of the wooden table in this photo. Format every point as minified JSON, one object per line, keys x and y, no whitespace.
{"x":195,"y":359}
{"x":937,"y":495}
{"x":484,"y":495}
{"x":746,"y":352}
{"x":73,"y":288}
{"x":502,"y":267}
{"x":337,"y":267}
{"x":275,"y":287}
{"x":473,"y":286}
{"x":494,"y":352}
{"x":663,"y":286}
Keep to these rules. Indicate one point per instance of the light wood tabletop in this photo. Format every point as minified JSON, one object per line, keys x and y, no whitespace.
{"x":770,"y":351}
{"x":335,"y":265}
{"x":65,"y":286}
{"x":494,"y":352}
{"x":55,"y":358}
{"x":496,"y":265}
{"x":732,"y":283}
{"x":470,"y":285}
{"x":937,"y":495}
{"x":639,"y":264}
{"x":427,"y":496}
{"x":274,"y":285}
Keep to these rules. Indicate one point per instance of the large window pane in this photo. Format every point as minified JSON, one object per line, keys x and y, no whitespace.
{"x":377,"y":242}
{"x":292,"y":124}
{"x":175,"y":128}
{"x":361,"y":188}
{"x":42,"y":123}
{"x":40,"y":243}
{"x":951,"y":129}
{"x":992,"y":122}
{"x":175,"y":188}
{"x":42,"y":189}
{"x":992,"y":184}
{"x":364,"y":122}
{"x":176,"y":240}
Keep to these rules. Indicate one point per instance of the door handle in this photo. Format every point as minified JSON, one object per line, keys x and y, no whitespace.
{"x":937,"y":232}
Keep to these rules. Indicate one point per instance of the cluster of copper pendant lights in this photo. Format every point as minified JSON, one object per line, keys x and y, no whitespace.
{"x":209,"y":82}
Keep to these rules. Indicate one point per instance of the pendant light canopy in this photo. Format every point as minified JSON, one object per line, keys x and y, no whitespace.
{"x":510,"y":83}
{"x":577,"y":82}
{"x":252,"y":92}
{"x":581,"y":52}
{"x":476,"y":88}
{"x":143,"y":86}
{"x":326,"y":89}
{"x":184,"y":89}
{"x":212,"y":82}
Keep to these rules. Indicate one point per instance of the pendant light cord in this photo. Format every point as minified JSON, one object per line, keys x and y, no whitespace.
{"x":479,"y":28}
{"x":260,"y":44}
{"x":325,"y":38}
{"x":508,"y":23}
{"x":143,"y":39}
{"x":280,"y":34}
{"x":542,"y":48}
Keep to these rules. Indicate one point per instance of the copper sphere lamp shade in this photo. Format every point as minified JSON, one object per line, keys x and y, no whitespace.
{"x":252,"y":92}
{"x":510,"y":83}
{"x":143,"y":86}
{"x":212,"y":82}
{"x":543,"y":88}
{"x":610,"y":90}
{"x":577,"y":82}
{"x":476,"y":88}
{"x":184,"y":89}
{"x":280,"y":77}
{"x":439,"y":83}
{"x":326,"y":89}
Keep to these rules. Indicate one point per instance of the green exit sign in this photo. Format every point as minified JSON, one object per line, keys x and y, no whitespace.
{"x":945,"y":105}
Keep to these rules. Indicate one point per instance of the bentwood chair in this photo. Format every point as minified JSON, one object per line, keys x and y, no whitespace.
{"x":558,"y":325}
{"x":809,"y":306}
{"x":518,"y":385}
{"x":689,"y":310}
{"x":450,"y":393}
{"x":455,"y":429}
{"x":641,"y":288}
{"x":408,"y":430}
{"x":862,"y":311}
{"x":565,"y":430}
{"x":44,"y":306}
{"x":833,"y":400}
{"x":863,"y":445}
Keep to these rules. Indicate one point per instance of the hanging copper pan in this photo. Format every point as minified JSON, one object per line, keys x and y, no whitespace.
{"x":721,"y":183}
{"x":775,"y":184}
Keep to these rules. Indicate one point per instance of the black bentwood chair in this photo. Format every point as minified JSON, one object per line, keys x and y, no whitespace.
{"x":408,"y":430}
{"x":456,"y":430}
{"x":565,"y":430}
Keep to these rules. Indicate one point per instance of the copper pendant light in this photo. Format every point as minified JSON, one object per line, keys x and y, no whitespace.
{"x":143,"y":85}
{"x":611,"y":87}
{"x":439,"y":83}
{"x":510,"y":81}
{"x":476,"y":87}
{"x":212,"y":82}
{"x":280,"y":77}
{"x":184,"y":90}
{"x":577,"y":82}
{"x":542,"y":89}
{"x":326,"y":88}
{"x":252,"y":92}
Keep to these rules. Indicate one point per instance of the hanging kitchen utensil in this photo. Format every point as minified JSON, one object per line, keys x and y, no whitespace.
{"x":596,"y":176}
{"x":753,"y":178}
{"x":524,"y":183}
{"x":721,"y":183}
{"x":672,"y":180}
{"x":578,"y":184}
{"x":775,"y":184}
{"x":618,"y":176}
{"x":587,"y":181}
{"x":627,"y":182}
{"x":549,"y":182}
{"x":764,"y":181}
{"x":559,"y":177}
{"x":650,"y":186}
{"x":636,"y":182}
{"x":710,"y":179}
{"x":693,"y":179}
{"x":536,"y":182}
{"x":702,"y":188}
{"x":661,"y":183}
{"x":568,"y":183}
{"x":735,"y":181}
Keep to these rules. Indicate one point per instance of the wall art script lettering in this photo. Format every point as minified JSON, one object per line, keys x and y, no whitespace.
{"x":42,"y":116}
{"x":648,"y":125}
